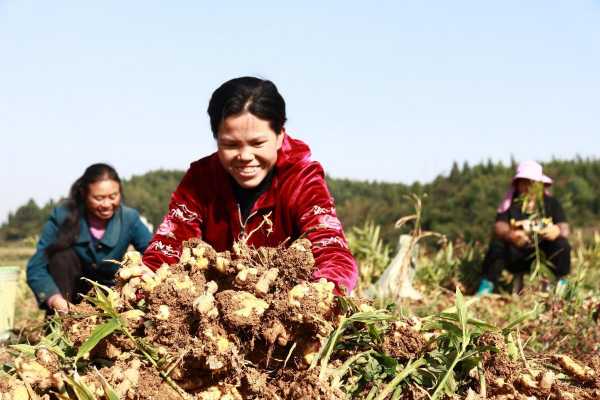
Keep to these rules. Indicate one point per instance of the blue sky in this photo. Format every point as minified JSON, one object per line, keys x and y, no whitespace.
{"x":392,"y":90}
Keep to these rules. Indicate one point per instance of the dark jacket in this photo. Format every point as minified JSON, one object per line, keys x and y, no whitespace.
{"x":123,"y":229}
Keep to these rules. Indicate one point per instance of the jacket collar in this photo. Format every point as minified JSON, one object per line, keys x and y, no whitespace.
{"x":111,"y":235}
{"x":291,"y":152}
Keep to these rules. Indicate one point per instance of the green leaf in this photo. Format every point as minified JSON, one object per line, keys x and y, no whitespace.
{"x":106,"y":298}
{"x":82,"y":392}
{"x":108,"y":391}
{"x":461,"y":311}
{"x":99,"y":333}
{"x":397,"y":394}
{"x":511,"y":347}
{"x":58,"y":351}
{"x":24,"y":348}
{"x":366,"y":317}
{"x":410,"y":368}
{"x":147,"y":348}
{"x":389,"y":363}
{"x":341,"y":371}
{"x":30,"y":350}
{"x":521,"y":318}
{"x":470,"y":321}
{"x":447,"y":385}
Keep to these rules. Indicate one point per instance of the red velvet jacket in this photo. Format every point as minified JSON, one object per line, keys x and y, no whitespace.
{"x":204,"y":206}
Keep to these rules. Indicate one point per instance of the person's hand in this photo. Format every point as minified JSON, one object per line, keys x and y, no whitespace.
{"x":550,"y":232}
{"x":522,"y":225}
{"x":58,"y":303}
{"x":519,"y":238}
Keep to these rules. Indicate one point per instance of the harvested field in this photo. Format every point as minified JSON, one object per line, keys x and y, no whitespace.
{"x":249,"y":324}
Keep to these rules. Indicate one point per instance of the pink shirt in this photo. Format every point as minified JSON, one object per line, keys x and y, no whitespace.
{"x":97,"y":227}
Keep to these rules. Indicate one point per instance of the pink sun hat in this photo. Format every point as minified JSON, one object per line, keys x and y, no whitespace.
{"x":533,"y":171}
{"x":526,"y":170}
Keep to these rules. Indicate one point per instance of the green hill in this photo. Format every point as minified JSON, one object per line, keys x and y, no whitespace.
{"x":461,"y":204}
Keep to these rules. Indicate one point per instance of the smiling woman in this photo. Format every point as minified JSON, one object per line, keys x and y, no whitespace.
{"x":90,"y":228}
{"x":258,"y":174}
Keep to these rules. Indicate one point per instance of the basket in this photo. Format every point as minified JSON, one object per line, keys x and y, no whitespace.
{"x":9,"y":277}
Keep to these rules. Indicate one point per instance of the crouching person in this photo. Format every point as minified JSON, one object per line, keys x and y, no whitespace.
{"x":512,"y":246}
{"x":90,"y":228}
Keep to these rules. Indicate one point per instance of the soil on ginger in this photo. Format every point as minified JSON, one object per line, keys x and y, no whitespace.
{"x":403,"y":342}
{"x":175,"y":329}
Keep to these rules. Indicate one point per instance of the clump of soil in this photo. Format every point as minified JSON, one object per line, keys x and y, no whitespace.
{"x":496,"y":363}
{"x":403,"y":341}
{"x":307,"y":385}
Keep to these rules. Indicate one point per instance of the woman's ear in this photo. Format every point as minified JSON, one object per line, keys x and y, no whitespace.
{"x":280,"y":138}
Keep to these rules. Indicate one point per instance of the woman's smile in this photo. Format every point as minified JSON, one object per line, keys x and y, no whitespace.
{"x":248,"y":170}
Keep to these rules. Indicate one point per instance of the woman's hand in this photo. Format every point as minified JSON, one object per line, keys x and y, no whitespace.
{"x":550,"y":232}
{"x":519,"y":238}
{"x":58,"y":303}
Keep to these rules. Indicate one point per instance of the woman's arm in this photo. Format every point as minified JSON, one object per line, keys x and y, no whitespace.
{"x":317,"y":219}
{"x":181,"y":223}
{"x":559,"y":217}
{"x":140,"y":234}
{"x":504,"y":232}
{"x":564,"y":229}
{"x":38,"y":278}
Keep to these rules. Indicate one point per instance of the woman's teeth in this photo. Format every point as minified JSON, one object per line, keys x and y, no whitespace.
{"x":247,"y":170}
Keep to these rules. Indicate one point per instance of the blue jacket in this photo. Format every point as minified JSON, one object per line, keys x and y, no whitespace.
{"x":124,"y":228}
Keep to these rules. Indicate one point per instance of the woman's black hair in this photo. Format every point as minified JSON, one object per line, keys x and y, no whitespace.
{"x":257,"y":96}
{"x":75,"y":204}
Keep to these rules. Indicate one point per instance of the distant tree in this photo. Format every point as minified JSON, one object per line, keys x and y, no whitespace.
{"x":466,"y":168}
{"x":150,"y":193}
{"x":25,"y":222}
{"x":454,"y":172}
{"x":462,"y":204}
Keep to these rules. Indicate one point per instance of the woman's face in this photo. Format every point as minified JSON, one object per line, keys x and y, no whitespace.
{"x":247,"y":148}
{"x":103,"y":198}
{"x":523,"y":185}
